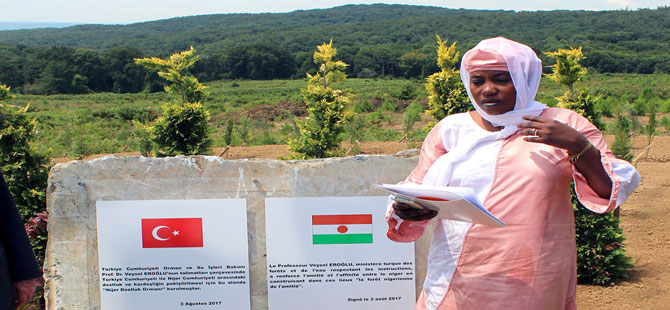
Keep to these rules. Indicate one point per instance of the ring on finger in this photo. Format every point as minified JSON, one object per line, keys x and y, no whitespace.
{"x":534,"y":132}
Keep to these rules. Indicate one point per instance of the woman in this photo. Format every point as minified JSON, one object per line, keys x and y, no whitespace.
{"x":520,"y":157}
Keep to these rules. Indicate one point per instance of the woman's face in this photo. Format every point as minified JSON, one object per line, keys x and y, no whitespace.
{"x":493,"y":91}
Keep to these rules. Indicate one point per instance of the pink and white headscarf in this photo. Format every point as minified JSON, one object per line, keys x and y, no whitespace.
{"x":526,"y":70}
{"x":524,"y":67}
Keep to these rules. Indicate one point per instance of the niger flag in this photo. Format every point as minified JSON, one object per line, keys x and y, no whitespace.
{"x":342,"y":229}
{"x":172,"y":233}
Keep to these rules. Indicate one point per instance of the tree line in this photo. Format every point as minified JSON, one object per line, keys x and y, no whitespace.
{"x":67,"y":70}
{"x":375,"y":40}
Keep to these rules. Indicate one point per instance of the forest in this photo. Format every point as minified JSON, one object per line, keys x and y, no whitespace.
{"x":390,"y":41}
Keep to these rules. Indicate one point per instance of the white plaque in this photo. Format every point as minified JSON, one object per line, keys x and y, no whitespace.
{"x":173,"y":254}
{"x":332,"y":253}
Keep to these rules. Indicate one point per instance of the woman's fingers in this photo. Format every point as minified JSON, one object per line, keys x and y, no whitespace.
{"x":533,"y":118}
{"x":407,"y":212}
{"x":414,"y":215}
{"x":429,"y":215}
{"x":550,"y":132}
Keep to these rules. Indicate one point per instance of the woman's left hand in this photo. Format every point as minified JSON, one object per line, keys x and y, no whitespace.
{"x":554,"y":133}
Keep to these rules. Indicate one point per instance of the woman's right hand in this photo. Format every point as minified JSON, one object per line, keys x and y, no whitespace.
{"x":410,"y":213}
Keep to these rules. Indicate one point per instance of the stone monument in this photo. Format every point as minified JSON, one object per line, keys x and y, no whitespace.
{"x":71,"y":263}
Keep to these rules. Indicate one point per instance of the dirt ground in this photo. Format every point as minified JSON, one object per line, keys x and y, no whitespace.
{"x":646,"y":223}
{"x":644,"y":219}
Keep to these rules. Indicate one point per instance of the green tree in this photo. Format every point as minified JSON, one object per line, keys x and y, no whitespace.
{"x":92,"y":69}
{"x":622,"y":135}
{"x":412,"y":115}
{"x":182,"y":127}
{"x":260,"y":61}
{"x":243,"y":129}
{"x":446,"y":93}
{"x":567,"y":69}
{"x":416,"y":64}
{"x":126,"y":76}
{"x":622,"y":143}
{"x":665,"y":122}
{"x":4,"y":93}
{"x":354,"y":129}
{"x":601,"y":257}
{"x":55,"y":78}
{"x":25,"y":168}
{"x":584,"y":104}
{"x":228,"y":133}
{"x":650,"y":128}
{"x":327,"y":116}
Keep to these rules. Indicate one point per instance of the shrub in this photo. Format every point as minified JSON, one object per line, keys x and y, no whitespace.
{"x":378,"y":117}
{"x":243,"y":128}
{"x":354,"y":130}
{"x":228,"y":133}
{"x":446,"y":92}
{"x":607,"y":106}
{"x":326,"y":108}
{"x":286,"y":129}
{"x":665,"y":122}
{"x":601,"y":257}
{"x":622,"y":134}
{"x":389,"y":105}
{"x":182,"y":129}
{"x":664,"y":107}
{"x":383,"y":134}
{"x":640,"y":106}
{"x":650,"y":128}
{"x":145,"y":146}
{"x":25,"y":168}
{"x":131,"y":112}
{"x":290,"y":130}
{"x":567,"y":69}
{"x":363,"y":106}
{"x":183,"y":126}
{"x":407,"y":91}
{"x":80,"y":147}
{"x":36,"y":228}
{"x":584,"y":104}
{"x":266,"y":138}
{"x":647,"y":94}
{"x":412,"y":115}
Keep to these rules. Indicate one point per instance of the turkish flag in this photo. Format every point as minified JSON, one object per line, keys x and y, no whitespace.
{"x":172,"y":233}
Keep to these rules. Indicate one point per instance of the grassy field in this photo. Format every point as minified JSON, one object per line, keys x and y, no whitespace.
{"x":263,"y":112}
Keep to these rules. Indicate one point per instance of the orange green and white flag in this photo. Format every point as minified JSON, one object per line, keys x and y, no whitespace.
{"x":341,"y":228}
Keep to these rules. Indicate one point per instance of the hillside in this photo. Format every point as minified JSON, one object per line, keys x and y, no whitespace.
{"x":223,"y":30}
{"x":390,"y":41}
{"x":400,"y":25}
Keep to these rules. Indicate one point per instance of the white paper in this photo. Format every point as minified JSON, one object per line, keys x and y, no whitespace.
{"x":453,"y":203}
{"x":304,"y":275}
{"x":213,"y":276}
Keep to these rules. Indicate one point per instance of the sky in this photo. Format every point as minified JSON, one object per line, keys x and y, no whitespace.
{"x":132,"y":11}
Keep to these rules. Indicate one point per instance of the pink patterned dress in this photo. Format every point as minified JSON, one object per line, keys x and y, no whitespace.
{"x":531,"y":262}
